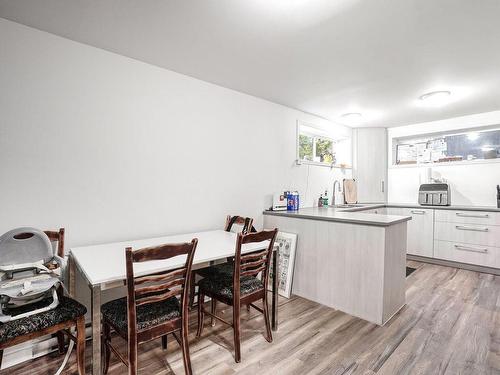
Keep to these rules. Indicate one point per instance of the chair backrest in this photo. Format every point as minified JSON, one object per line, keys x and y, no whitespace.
{"x":251,"y":264}
{"x":59,"y":238}
{"x":27,"y":245}
{"x":160,"y":286}
{"x":244,"y":222}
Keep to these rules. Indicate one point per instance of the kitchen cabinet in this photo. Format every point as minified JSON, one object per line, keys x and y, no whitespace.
{"x":471,"y":237}
{"x":465,"y":237}
{"x":420,"y":238}
{"x":355,"y":268}
{"x":370,"y":163}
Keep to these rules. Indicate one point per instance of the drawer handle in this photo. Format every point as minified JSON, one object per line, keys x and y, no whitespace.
{"x":485,"y":216}
{"x":461,"y":227}
{"x":418,"y":212}
{"x":473,"y":249}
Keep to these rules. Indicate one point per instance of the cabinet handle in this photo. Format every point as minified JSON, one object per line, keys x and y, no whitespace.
{"x":461,"y":227}
{"x":485,"y":216}
{"x":382,"y":184}
{"x":418,"y":212}
{"x":473,"y":249}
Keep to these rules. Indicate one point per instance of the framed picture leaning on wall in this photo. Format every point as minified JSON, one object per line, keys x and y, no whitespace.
{"x":287,"y":243}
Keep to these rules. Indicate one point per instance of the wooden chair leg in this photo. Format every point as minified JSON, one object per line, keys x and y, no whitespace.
{"x":213,"y":310}
{"x":164,"y":342}
{"x":201,"y":314}
{"x":236,"y":329}
{"x":132,"y":358}
{"x":106,"y":341}
{"x":60,"y":342}
{"x":265,"y":307}
{"x":192,"y":290}
{"x":80,"y":345}
{"x":185,"y":352}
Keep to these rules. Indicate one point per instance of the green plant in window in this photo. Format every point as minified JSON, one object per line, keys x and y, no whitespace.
{"x":324,"y":149}
{"x":305,"y":147}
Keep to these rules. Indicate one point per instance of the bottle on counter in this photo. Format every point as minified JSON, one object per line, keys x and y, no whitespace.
{"x":325,"y":199}
{"x":320,"y":201}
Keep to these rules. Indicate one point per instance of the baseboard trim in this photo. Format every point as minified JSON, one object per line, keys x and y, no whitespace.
{"x":28,"y":350}
{"x":449,"y":263}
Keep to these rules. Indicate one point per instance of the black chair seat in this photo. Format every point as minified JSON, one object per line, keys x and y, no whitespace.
{"x":217,"y":270}
{"x":147,"y":315}
{"x":221,"y":285}
{"x":68,"y":309}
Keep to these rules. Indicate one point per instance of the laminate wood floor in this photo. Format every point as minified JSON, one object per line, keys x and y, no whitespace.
{"x":450,"y":325}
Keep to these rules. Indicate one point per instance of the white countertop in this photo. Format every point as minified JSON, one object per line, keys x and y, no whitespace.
{"x":368,"y":206}
{"x":355,"y":215}
{"x":344,"y":215}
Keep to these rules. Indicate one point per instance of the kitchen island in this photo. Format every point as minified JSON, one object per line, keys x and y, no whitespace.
{"x":351,"y":261}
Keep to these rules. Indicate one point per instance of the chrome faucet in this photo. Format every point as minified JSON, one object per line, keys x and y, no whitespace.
{"x":333,"y":192}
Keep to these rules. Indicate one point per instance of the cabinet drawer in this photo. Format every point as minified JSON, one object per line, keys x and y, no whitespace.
{"x":465,"y":253}
{"x":488,"y":235}
{"x":468,"y":217}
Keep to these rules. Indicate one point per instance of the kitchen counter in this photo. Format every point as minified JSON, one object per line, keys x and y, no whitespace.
{"x":352,"y":261}
{"x":368,"y":206}
{"x":343,"y":215}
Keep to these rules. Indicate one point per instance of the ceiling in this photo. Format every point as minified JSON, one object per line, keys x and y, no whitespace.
{"x":324,"y":57}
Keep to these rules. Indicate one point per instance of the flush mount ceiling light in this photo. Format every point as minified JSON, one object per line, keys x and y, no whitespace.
{"x":352,"y":118}
{"x":436,"y":98}
{"x":473,"y":136}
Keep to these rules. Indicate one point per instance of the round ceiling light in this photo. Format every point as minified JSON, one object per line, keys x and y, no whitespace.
{"x":352,"y":117}
{"x":436,"y":98}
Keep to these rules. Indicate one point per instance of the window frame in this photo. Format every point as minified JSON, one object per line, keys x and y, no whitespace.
{"x":314,"y":132}
{"x":425,"y":137}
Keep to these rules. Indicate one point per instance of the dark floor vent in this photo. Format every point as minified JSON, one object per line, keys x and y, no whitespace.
{"x":409,"y":271}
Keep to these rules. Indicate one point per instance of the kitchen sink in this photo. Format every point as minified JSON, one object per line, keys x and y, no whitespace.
{"x":348,"y":205}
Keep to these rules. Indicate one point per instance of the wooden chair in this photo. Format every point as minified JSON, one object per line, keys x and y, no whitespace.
{"x":231,"y":223}
{"x":151,"y":308}
{"x":68,"y":314}
{"x":243,"y":287}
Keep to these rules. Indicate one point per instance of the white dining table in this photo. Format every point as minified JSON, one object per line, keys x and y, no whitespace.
{"x":103,"y":267}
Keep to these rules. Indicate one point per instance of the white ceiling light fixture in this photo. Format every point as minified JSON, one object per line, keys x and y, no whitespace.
{"x":473,"y":136}
{"x":435,"y":98}
{"x":352,"y":118}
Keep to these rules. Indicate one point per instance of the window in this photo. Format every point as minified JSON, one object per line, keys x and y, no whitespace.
{"x":316,"y":146}
{"x":316,"y":149}
{"x":444,"y":148}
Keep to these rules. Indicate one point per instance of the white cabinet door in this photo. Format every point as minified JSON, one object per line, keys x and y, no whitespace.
{"x":370,"y":163}
{"x":420,"y":230}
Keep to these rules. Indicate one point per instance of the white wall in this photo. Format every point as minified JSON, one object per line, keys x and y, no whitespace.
{"x":112,"y":148}
{"x":471,"y":183}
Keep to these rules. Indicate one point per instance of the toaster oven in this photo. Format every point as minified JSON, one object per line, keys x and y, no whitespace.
{"x":434,"y":195}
